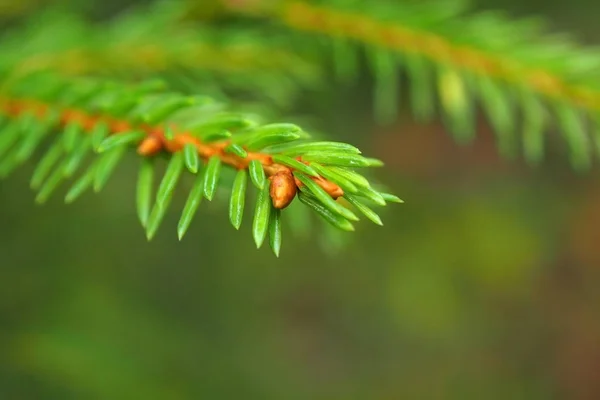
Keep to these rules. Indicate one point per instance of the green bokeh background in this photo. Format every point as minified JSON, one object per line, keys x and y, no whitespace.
{"x":484,"y":285}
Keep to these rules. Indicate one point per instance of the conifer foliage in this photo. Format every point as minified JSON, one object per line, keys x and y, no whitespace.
{"x":199,"y":136}
{"x":526,"y":81}
{"x":168,"y":79}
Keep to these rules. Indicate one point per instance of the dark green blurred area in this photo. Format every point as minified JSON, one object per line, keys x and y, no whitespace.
{"x":484,"y":285}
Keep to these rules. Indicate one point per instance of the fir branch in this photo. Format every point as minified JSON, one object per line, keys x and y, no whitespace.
{"x":158,"y":53}
{"x":511,"y":67}
{"x":107,"y":117}
{"x":438,"y":48}
{"x":152,"y":42}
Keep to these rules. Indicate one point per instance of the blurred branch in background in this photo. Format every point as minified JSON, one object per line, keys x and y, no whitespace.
{"x":151,"y":42}
{"x":525,"y":79}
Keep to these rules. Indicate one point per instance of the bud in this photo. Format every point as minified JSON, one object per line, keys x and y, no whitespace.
{"x":283,"y":189}
{"x":149,"y":146}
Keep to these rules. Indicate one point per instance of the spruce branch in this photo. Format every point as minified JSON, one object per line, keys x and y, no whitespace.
{"x":196,"y":135}
{"x":523,"y":78}
{"x":151,"y":42}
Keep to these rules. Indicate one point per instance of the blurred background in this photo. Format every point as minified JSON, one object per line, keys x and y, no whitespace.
{"x":484,"y":285}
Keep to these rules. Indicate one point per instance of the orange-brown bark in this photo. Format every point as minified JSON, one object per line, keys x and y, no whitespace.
{"x":301,"y":15}
{"x":156,"y":142}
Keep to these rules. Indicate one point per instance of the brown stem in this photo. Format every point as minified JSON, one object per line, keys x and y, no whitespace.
{"x":156,"y":142}
{"x":300,"y":15}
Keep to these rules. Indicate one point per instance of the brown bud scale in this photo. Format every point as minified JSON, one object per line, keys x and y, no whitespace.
{"x":283,"y":189}
{"x":149,"y":146}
